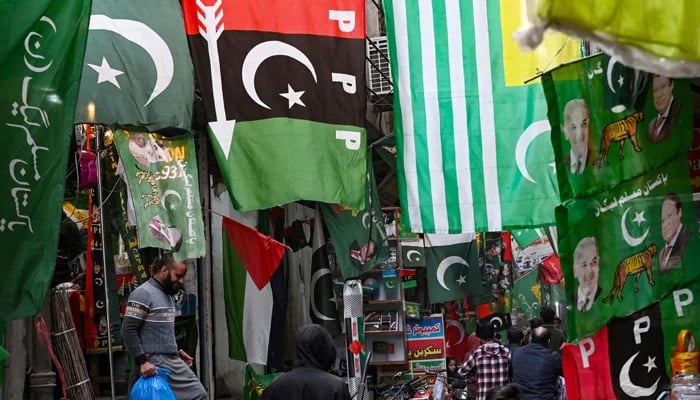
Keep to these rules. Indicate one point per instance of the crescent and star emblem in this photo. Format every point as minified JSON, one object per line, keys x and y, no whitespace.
{"x":529,"y":134}
{"x":630,"y":388}
{"x":459,"y":327}
{"x":444,"y":265}
{"x":638,"y":218}
{"x":146,"y":38}
{"x":261,"y":52}
{"x":411,"y":253}
{"x":365,"y":220}
{"x":165,"y":195}
{"x":314,"y":308}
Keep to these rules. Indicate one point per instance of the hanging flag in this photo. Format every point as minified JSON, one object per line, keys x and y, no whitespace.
{"x":359,"y":237}
{"x":626,"y":248}
{"x":611,"y":123}
{"x":251,"y":261}
{"x":496,"y":281}
{"x":628,"y":30}
{"x":452,"y":267}
{"x":550,"y":269}
{"x":40,"y":54}
{"x":588,"y":362}
{"x":412,"y":253}
{"x":322,"y":296}
{"x":137,"y":68}
{"x":163,"y":182}
{"x":527,"y":296}
{"x":460,"y":167}
{"x":256,"y":383}
{"x":280,"y":137}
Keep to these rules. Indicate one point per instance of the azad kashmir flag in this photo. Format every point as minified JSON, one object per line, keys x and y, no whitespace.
{"x":322,"y":296}
{"x":628,"y":247}
{"x":611,"y":123}
{"x":40,"y":53}
{"x":472,"y":138}
{"x":452,"y":267}
{"x":253,"y":285}
{"x":359,"y":237}
{"x":137,"y":68}
{"x":286,"y":118}
{"x":163,"y":185}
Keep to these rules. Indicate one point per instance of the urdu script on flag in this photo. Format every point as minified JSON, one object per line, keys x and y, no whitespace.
{"x":286,"y":120}
{"x":472,"y":138}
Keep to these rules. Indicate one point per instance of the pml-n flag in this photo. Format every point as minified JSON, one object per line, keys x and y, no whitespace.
{"x":137,"y":68}
{"x":40,"y":53}
{"x":359,"y":237}
{"x":283,"y":87}
{"x":164,"y":187}
{"x":452,"y":267}
{"x":626,"y":248}
{"x":611,"y":123}
{"x":471,"y":136}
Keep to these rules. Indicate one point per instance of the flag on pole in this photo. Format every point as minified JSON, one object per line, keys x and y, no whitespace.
{"x":611,"y":123}
{"x":284,"y":136}
{"x":251,"y":262}
{"x":452,"y":267}
{"x":628,"y":247}
{"x":472,"y":138}
{"x":137,"y":68}
{"x":40,"y":54}
{"x":322,"y":296}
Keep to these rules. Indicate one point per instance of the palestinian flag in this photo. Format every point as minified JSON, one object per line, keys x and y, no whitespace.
{"x":286,"y":119}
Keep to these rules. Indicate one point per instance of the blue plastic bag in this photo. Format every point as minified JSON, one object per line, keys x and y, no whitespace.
{"x":153,"y":388}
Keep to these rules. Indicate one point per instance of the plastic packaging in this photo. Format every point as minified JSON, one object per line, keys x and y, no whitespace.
{"x":153,"y":388}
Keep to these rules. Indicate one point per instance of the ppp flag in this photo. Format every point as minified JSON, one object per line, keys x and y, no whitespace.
{"x":285,"y":118}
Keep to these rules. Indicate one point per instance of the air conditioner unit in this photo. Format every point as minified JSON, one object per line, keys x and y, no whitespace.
{"x":379,"y":71}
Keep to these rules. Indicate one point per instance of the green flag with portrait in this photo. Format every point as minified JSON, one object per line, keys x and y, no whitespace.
{"x":161,"y":173}
{"x":611,"y":123}
{"x":627,"y":247}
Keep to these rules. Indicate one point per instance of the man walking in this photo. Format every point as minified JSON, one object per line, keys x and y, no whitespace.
{"x":490,"y":362}
{"x":148,"y":330}
{"x":536,"y":368}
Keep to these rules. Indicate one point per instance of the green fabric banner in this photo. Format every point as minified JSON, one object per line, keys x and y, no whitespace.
{"x":358,"y":237}
{"x":611,"y":123}
{"x":137,"y":68}
{"x":40,"y":57}
{"x":626,"y":248}
{"x":163,"y":182}
{"x":452,"y":267}
{"x":256,"y":383}
{"x":527,"y":297}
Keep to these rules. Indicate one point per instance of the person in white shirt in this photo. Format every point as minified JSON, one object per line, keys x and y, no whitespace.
{"x":575,"y":129}
{"x":586,"y":268}
{"x":674,"y":233}
{"x":667,"y":107}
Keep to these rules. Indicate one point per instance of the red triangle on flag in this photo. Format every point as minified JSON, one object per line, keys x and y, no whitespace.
{"x":260,"y":253}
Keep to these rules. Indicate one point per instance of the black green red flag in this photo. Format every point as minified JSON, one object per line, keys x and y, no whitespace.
{"x":283,"y":88}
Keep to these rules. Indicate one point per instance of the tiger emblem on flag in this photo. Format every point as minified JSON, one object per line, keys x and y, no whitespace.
{"x":632,"y":265}
{"x":618,"y":131}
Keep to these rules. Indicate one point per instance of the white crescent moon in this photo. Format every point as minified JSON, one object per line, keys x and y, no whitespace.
{"x":168,"y":193}
{"x":390,"y":286}
{"x":631,"y":240}
{"x":411,"y":253}
{"x":630,"y":388}
{"x":529,"y":134}
{"x":262,"y":52}
{"x":500,"y":322}
{"x":611,"y":65}
{"x":459,"y":326}
{"x":145,"y":37}
{"x":365,"y":220}
{"x":314,"y":278}
{"x":446,"y":263}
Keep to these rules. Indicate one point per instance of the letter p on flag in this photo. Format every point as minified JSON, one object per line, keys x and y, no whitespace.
{"x":682,"y":302}
{"x":346,"y":19}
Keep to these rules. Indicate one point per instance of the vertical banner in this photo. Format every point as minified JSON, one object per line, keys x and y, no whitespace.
{"x":281,"y":137}
{"x":40,"y":58}
{"x":164,"y":186}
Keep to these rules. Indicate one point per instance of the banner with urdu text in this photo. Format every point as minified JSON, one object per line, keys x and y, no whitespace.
{"x":611,"y":123}
{"x":472,"y":137}
{"x":627,"y":247}
{"x":163,"y":183}
{"x":283,"y":85}
{"x":41,"y":52}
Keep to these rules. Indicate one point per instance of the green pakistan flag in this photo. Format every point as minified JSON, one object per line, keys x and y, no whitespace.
{"x":626,"y":248}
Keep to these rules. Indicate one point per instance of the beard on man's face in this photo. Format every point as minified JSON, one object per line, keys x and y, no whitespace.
{"x":169,"y":287}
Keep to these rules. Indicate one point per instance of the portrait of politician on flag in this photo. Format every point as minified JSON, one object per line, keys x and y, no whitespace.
{"x":674,"y":233}
{"x":586,"y":269}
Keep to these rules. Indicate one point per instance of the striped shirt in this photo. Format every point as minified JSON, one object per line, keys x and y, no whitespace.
{"x":491,"y":363}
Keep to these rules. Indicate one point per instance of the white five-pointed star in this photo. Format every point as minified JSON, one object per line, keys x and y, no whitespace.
{"x":105,"y":73}
{"x":621,"y":80}
{"x":651,"y":364}
{"x":639,"y":217}
{"x":173,"y":206}
{"x":462,"y":280}
{"x":293,"y":96}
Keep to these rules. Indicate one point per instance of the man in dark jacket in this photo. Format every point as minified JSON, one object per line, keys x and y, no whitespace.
{"x":557,"y":337}
{"x":314,"y":354}
{"x":536,"y":368}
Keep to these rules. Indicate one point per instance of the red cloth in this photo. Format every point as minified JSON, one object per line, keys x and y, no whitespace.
{"x":551,"y":270}
{"x":587,"y":368}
